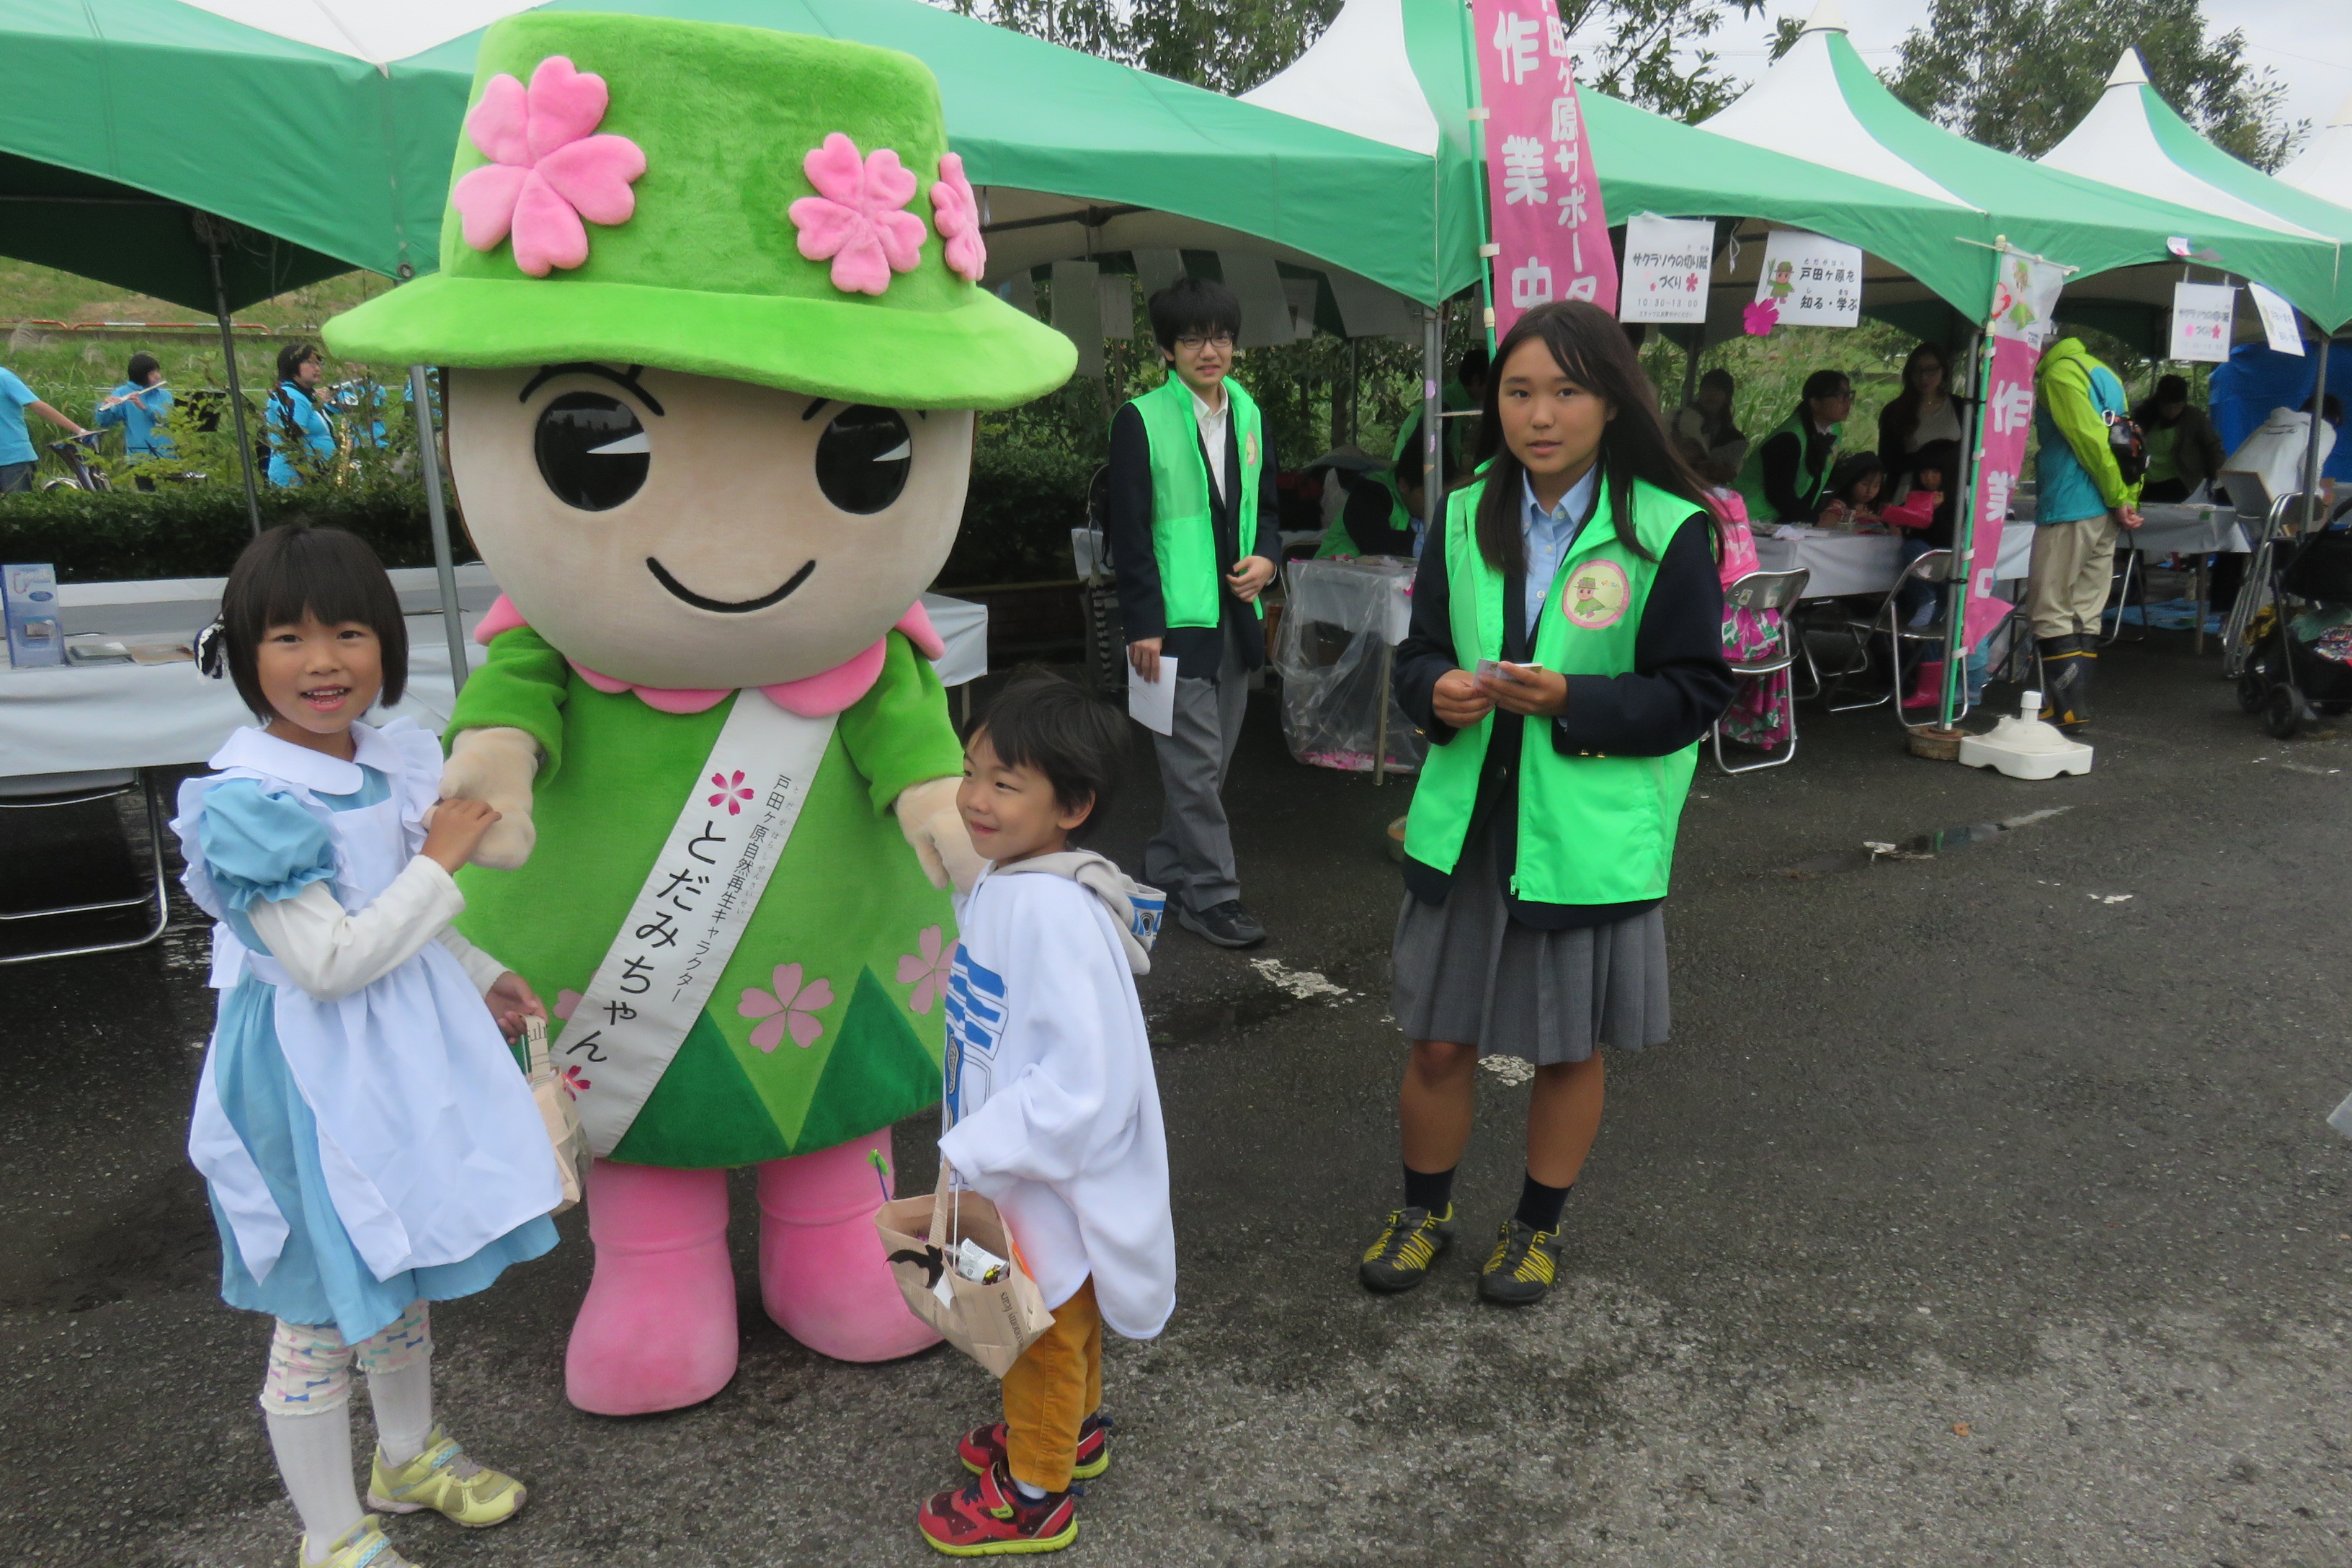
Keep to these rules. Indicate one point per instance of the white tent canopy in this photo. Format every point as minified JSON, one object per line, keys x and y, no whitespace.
{"x":1358,"y":78}
{"x":2324,"y":169}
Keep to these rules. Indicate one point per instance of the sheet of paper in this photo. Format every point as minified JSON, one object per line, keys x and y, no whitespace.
{"x":1152,"y":703}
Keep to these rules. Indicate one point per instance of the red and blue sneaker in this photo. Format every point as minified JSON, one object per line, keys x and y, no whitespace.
{"x":983,"y":1447}
{"x":989,"y":1518}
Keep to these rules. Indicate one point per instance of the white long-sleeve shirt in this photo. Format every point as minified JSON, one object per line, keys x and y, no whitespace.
{"x":1053,"y":1110}
{"x":331,"y":952}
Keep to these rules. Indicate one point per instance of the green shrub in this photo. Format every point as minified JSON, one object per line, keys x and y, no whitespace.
{"x":197,"y":531}
{"x":1017,"y":518}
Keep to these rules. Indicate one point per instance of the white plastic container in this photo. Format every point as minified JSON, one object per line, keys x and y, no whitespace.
{"x":2023,"y":747}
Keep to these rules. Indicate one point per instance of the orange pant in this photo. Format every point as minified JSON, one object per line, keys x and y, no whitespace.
{"x":1055,"y":1384}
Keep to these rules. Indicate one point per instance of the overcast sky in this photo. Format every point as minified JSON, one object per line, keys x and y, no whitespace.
{"x":2307,"y":42}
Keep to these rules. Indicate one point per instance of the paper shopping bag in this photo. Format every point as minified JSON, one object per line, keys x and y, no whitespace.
{"x":561,"y":1116}
{"x":991,"y":1319}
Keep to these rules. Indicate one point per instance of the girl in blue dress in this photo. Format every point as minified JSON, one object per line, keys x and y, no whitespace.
{"x":368,"y":1141}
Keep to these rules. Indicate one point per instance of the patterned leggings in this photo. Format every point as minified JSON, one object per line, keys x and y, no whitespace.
{"x":311,"y":1367}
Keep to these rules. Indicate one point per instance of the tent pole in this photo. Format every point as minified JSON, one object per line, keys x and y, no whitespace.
{"x":1432,"y":376}
{"x":236,"y":385}
{"x":453,"y":625}
{"x":2313,"y":508}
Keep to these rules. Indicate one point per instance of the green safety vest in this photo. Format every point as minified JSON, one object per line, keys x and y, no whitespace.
{"x":1592,"y":830}
{"x":1182,"y":536}
{"x":1810,"y":486}
{"x":1338,"y":541}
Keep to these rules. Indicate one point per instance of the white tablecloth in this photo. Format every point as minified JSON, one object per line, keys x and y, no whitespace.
{"x":1842,"y":564}
{"x":2187,"y":530}
{"x":83,"y":718}
{"x":1369,"y":591}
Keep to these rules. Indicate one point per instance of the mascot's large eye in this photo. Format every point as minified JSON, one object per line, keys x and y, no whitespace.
{"x":593,"y":453}
{"x":863,"y":457}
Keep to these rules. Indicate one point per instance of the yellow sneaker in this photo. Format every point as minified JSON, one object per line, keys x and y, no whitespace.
{"x":361,"y":1546}
{"x":445,"y":1480}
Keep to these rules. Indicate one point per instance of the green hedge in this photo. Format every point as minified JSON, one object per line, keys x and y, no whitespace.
{"x":1016,"y":524}
{"x":197,"y":531}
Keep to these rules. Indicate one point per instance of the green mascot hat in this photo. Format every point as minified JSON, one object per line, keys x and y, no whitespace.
{"x":722,"y":201}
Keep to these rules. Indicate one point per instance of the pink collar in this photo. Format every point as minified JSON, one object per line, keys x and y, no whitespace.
{"x":812,"y":697}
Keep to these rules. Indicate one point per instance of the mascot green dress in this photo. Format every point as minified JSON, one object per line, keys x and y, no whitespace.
{"x":709,"y":311}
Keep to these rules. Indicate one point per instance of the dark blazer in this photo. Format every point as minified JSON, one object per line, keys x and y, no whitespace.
{"x":1126,"y":525}
{"x":1679,"y":686}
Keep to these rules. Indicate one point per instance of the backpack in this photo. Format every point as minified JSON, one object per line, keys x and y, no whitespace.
{"x":2129,"y":445}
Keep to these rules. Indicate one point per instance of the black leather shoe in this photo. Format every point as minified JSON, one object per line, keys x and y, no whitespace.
{"x":1226,"y":924}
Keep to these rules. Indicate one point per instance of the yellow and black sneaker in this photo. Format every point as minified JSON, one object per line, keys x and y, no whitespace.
{"x":1525,"y":1263}
{"x":1408,"y":1243}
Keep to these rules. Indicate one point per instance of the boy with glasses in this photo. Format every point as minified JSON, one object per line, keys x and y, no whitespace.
{"x":1191,"y":512}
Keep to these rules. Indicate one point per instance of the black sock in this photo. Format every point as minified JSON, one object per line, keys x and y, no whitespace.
{"x":1539,"y":1206}
{"x":1432,"y":1191}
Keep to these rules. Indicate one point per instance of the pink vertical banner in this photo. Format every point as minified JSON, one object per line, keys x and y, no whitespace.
{"x":1543,"y":197}
{"x":2025,"y":292}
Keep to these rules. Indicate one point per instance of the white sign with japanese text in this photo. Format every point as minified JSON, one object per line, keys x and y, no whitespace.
{"x":2203,"y":315}
{"x":692,"y":911}
{"x":2278,"y":321}
{"x":1816,"y":281}
{"x":1667,"y":260}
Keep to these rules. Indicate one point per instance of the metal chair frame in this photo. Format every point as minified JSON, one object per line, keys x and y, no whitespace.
{"x":79,"y":789}
{"x":1767,"y":591}
{"x":2131,"y":572}
{"x":1934,"y":566}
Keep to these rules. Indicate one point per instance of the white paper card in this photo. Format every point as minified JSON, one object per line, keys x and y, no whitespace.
{"x":1667,"y":260}
{"x":2278,"y":320}
{"x":1815,"y":281}
{"x":1152,"y":703}
{"x":2202,"y":315}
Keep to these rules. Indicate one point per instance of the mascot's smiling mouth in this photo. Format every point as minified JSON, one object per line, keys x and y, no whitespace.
{"x":727,"y":606}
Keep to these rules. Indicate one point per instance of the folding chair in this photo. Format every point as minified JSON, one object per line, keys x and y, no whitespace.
{"x":40,"y":792}
{"x":1767,"y":591}
{"x":1888,"y":622}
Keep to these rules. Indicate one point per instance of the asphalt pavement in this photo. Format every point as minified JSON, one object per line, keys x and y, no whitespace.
{"x":1981,"y":1211}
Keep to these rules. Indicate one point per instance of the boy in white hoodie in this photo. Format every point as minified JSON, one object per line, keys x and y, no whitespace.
{"x":1052,"y":1111}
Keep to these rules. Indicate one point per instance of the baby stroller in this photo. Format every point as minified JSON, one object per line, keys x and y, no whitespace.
{"x":2291,"y":630}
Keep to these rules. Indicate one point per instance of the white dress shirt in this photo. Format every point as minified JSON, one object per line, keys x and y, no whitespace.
{"x":1212,"y":433}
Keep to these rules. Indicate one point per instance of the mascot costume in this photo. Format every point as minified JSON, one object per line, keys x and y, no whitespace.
{"x":713,"y":339}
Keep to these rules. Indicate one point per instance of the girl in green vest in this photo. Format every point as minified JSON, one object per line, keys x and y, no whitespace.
{"x":1565,"y":659}
{"x":1786,"y":478}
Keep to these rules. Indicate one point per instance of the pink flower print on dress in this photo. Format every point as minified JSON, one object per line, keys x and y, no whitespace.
{"x":855,"y":220}
{"x":547,"y":171}
{"x":733,"y":791}
{"x":927,"y":969}
{"x":955,"y":213}
{"x":791,"y":1005}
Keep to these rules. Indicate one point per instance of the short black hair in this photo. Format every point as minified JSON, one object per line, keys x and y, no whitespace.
{"x":1720,"y":377}
{"x":2172,"y":389}
{"x":1193,"y":305}
{"x":1851,"y":469}
{"x":1475,"y":366}
{"x":142,"y":365}
{"x":1827,"y":384}
{"x":1942,"y":456}
{"x":293,"y":356}
{"x":1076,"y":740}
{"x":296,"y":570}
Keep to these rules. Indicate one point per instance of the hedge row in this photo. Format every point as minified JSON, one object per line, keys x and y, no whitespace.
{"x":1015,"y":528}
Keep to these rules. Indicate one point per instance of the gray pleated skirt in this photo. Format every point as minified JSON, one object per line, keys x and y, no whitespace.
{"x":1467,"y":973}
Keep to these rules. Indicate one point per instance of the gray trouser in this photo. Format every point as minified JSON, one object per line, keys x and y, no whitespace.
{"x":1191,"y":858}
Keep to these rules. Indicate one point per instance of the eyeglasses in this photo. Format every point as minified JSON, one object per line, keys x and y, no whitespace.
{"x":1222,"y":341}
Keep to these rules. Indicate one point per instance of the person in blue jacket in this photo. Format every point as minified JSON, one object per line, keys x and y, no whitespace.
{"x":301,"y":435}
{"x":140,"y":406}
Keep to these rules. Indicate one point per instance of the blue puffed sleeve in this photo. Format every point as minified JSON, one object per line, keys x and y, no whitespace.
{"x":262,"y":845}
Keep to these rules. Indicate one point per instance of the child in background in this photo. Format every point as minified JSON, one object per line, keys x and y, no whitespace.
{"x":1924,"y":516}
{"x":1854,"y":484}
{"x":351,"y":1020}
{"x":1918,"y":510}
{"x":1052,"y":1110}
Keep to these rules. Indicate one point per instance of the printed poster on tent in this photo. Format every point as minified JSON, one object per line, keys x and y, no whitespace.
{"x":1810,"y":280}
{"x":2204,"y":316}
{"x":2025,"y":297}
{"x":1667,"y":260}
{"x":1543,"y":199}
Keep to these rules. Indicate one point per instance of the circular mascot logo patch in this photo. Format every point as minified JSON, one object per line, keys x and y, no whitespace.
{"x":1596,"y":594}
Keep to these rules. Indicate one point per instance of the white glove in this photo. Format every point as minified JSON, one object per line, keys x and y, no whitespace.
{"x":496,"y":766}
{"x":935,"y":831}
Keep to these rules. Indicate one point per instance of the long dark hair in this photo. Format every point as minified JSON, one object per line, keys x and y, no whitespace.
{"x":1821,"y":384}
{"x":1590,"y":350}
{"x":1900,"y":419}
{"x":296,"y":570}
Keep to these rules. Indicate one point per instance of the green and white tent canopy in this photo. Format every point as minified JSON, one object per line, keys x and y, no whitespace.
{"x":1821,"y":103}
{"x":2131,"y":137}
{"x":2324,"y":169}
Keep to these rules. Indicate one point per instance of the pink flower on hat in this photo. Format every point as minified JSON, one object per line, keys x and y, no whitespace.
{"x":955,"y":213}
{"x":854,"y":220}
{"x":547,"y":171}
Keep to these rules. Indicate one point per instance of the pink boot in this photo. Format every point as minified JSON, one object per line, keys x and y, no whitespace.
{"x":822,"y":1273}
{"x":1928,"y":691}
{"x":657,"y":1330}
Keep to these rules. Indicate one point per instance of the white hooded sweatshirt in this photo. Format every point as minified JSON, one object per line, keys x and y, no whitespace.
{"x":1052,"y":1110}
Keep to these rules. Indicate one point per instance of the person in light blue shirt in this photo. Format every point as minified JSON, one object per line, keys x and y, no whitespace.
{"x":140,"y":406}
{"x":301,"y":436}
{"x":17,"y":454}
{"x":1551,"y":533}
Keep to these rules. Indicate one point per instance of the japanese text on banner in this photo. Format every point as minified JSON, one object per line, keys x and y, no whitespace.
{"x":2024,"y":298}
{"x":1543,"y":195}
